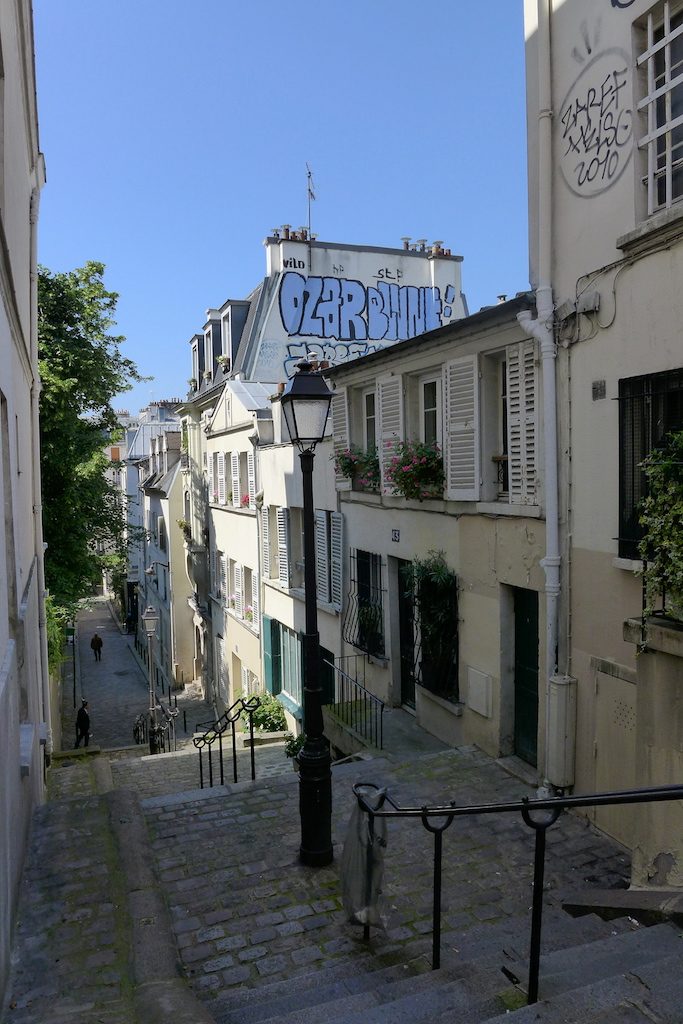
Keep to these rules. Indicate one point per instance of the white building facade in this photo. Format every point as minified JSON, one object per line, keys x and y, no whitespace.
{"x":25,"y":699}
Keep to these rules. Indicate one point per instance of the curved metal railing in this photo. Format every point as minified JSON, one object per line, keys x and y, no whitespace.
{"x":214,"y":733}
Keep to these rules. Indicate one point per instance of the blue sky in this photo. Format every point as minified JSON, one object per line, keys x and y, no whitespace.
{"x":176,"y":136}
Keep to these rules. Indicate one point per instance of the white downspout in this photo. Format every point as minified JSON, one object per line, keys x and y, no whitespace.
{"x":37,"y":487}
{"x":542,"y":330}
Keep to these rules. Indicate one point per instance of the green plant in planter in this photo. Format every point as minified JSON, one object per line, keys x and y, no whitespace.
{"x":358,"y":465}
{"x":662,"y":520}
{"x":294,"y":744}
{"x":433,"y":587}
{"x":416,"y":470}
{"x":269,"y":716}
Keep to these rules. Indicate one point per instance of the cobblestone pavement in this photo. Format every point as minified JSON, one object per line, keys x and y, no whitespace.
{"x":71,"y":950}
{"x":117,"y":687}
{"x":245,"y":910}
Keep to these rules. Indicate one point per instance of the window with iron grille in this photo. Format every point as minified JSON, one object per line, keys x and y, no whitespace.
{"x":364,"y":621}
{"x":650,"y":408}
{"x":661,"y":59}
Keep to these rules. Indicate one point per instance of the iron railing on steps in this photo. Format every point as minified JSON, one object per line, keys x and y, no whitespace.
{"x":357,"y":707}
{"x":213,"y":734}
{"x":538,"y":815}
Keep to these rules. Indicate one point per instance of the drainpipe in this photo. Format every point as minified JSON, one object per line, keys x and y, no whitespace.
{"x":37,"y":491}
{"x":541,"y":329}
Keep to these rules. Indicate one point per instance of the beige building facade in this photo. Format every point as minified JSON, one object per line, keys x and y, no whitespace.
{"x":606,"y":225}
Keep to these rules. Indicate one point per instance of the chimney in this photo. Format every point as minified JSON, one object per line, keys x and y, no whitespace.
{"x":406,"y":242}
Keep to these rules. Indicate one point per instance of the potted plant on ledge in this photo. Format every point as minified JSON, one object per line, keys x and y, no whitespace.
{"x":416,"y":470}
{"x":359,"y":466}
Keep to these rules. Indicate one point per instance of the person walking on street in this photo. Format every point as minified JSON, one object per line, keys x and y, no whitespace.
{"x":82,"y":725}
{"x":96,"y":644}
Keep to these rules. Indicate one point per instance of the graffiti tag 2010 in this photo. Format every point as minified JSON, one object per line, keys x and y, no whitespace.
{"x":596,"y":125}
{"x":346,"y":310}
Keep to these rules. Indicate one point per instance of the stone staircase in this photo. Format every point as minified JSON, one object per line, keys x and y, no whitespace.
{"x":259,"y":937}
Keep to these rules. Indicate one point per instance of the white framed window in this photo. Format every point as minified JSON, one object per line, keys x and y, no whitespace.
{"x":208,"y":351}
{"x":661,"y":60}
{"x":369,"y":405}
{"x":430,"y":409}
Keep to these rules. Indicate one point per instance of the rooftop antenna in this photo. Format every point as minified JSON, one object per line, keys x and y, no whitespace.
{"x":311,"y":195}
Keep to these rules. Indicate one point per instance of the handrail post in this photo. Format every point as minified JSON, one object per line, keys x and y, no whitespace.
{"x":201,"y":770}
{"x":220,"y":754}
{"x":536,"y":916}
{"x":234,"y":751}
{"x":436,"y":907}
{"x":251,"y":745}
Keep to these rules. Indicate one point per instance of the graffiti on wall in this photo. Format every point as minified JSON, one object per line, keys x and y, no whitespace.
{"x":596,"y":125}
{"x":622,"y":3}
{"x":349,"y":311}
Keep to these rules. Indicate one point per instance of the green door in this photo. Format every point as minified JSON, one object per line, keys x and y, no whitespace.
{"x":526,"y":674}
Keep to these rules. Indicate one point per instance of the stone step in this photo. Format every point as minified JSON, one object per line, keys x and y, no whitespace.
{"x":604,"y":958}
{"x":650,"y":993}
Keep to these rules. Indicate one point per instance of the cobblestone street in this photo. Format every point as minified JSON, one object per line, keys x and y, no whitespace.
{"x":133,"y":869}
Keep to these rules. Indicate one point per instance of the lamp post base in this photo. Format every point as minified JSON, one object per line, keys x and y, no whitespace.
{"x":315,"y":807}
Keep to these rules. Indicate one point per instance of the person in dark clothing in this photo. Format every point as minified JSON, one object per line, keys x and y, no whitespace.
{"x":82,"y":725}
{"x":96,"y":644}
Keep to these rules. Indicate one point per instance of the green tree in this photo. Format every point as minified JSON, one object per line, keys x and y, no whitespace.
{"x":82,"y":369}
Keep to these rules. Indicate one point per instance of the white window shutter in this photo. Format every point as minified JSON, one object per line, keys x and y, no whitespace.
{"x":265,"y":541}
{"x":220,"y":461}
{"x":522,"y":387}
{"x":255,"y":604}
{"x":235,"y":473}
{"x":245,"y":681}
{"x":239,"y":602}
{"x":251,"y":479}
{"x":461,"y":434}
{"x":224,"y":577}
{"x":212,"y":483}
{"x":322,"y":561}
{"x":336,"y":559}
{"x":283,"y":546}
{"x":390,"y":415}
{"x":340,"y":430}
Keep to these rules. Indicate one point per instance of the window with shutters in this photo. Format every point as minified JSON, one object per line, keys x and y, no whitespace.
{"x":650,"y":408}
{"x":390,"y":425}
{"x":161,"y":527}
{"x":429,"y":392}
{"x":283,"y":558}
{"x":328,"y":557}
{"x":364,"y":619}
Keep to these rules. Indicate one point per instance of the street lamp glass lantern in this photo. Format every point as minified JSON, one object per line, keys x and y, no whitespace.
{"x":305,"y":406}
{"x":151,"y":620}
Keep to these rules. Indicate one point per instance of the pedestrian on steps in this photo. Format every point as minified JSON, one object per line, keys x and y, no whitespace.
{"x":96,"y":644}
{"x":82,"y":725}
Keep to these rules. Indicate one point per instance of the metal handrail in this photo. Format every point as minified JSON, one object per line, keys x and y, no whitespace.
{"x":357,"y":707}
{"x":554,"y":806}
{"x":214,"y":734}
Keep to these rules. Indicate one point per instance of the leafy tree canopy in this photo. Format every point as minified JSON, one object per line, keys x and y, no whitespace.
{"x":82,"y":369}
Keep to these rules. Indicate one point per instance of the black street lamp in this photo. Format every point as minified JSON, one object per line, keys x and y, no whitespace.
{"x":305,"y":407}
{"x":151,"y":620}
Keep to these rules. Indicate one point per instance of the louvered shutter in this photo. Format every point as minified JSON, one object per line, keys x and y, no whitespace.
{"x":390,"y":411}
{"x":340,"y":431}
{"x":336,"y":559}
{"x":245,"y":681}
{"x":251,"y":479}
{"x":212,"y":483}
{"x":265,"y":541}
{"x":255,"y":603}
{"x":235,"y":474}
{"x":461,"y":421}
{"x":283,"y":546}
{"x":522,"y":385}
{"x":322,"y":561}
{"x":216,"y":566}
{"x":224,"y":577}
{"x":237,"y":575}
{"x":220,"y":461}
